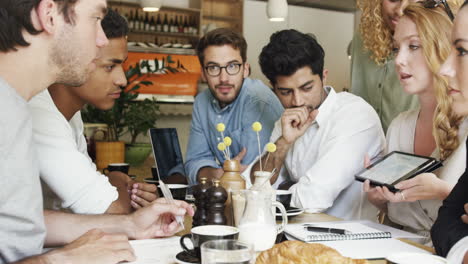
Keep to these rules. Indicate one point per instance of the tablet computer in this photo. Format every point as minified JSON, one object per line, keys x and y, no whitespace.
{"x":396,"y":167}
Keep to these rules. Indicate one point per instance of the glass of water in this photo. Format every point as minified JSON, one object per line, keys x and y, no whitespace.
{"x":227,"y":251}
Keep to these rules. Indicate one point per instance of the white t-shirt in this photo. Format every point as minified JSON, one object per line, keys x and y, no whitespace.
{"x":71,"y":179}
{"x":324,"y":160}
{"x":22,"y":230}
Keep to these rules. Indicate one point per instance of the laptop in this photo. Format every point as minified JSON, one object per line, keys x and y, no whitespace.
{"x":166,"y":150}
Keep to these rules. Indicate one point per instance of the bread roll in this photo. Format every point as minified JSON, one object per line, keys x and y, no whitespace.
{"x":299,"y":252}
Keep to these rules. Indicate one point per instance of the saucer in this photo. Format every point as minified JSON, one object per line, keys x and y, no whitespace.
{"x":291,"y":212}
{"x":185,"y":258}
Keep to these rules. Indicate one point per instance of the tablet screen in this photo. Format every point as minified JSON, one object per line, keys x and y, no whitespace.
{"x":393,"y":167}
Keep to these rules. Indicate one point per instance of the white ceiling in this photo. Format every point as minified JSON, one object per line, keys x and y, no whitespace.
{"x":337,"y":5}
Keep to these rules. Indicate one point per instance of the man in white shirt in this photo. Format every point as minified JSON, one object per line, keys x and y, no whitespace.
{"x":56,"y":41}
{"x":322,"y":136}
{"x":69,"y":177}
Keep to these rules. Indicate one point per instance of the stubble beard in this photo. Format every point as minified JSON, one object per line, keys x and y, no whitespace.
{"x":67,"y":58}
{"x":237,"y":89}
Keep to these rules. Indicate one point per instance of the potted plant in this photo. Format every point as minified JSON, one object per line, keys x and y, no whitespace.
{"x":138,"y":123}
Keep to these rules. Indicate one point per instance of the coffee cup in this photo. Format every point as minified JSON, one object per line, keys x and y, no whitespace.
{"x":200,"y":234}
{"x":122,"y":167}
{"x":284,"y":197}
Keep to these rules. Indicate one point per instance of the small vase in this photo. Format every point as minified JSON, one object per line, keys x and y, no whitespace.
{"x":231,"y":181}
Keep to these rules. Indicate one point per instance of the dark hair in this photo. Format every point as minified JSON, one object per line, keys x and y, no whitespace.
{"x":114,"y":25}
{"x":15,"y":15}
{"x":465,"y":3}
{"x":220,"y":37}
{"x":288,"y":51}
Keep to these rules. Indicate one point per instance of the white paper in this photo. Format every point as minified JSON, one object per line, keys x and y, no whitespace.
{"x":372,"y":248}
{"x":156,"y":251}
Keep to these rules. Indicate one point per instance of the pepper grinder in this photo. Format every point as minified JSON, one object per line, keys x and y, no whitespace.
{"x":199,"y":193}
{"x":216,"y":198}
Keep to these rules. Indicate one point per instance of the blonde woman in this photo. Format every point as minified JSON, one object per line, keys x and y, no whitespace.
{"x":421,"y":43}
{"x":450,"y":231}
{"x":373,"y":75}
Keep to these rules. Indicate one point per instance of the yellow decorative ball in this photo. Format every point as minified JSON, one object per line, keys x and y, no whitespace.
{"x":271,"y":147}
{"x":220,"y":127}
{"x":221,"y":146}
{"x":256,"y":126}
{"x":227,"y":141}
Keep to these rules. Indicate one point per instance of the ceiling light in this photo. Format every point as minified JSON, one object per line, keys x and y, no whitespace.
{"x":277,"y":10}
{"x":151,"y":5}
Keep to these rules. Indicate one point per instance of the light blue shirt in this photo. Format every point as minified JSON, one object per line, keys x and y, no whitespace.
{"x":256,"y":102}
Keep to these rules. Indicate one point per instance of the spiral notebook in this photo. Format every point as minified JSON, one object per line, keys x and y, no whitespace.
{"x":355,"y":231}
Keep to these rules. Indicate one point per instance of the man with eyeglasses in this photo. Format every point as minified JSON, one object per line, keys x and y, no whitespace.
{"x":322,"y":136}
{"x":232,"y":99}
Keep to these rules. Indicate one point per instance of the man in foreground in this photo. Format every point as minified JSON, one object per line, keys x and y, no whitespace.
{"x":55,"y":42}
{"x":70,"y":178}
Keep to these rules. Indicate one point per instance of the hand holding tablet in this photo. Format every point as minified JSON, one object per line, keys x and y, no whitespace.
{"x":396,"y":167}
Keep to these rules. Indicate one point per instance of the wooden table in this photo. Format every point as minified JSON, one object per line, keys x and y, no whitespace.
{"x":308,"y":218}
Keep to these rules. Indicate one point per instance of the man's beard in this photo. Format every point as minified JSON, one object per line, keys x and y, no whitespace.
{"x":66,"y":56}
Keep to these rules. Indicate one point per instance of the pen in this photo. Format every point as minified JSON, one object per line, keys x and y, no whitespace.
{"x":326,"y":230}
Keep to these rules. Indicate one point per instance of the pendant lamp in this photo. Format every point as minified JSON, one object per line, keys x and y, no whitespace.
{"x":151,"y":5}
{"x":277,"y":10}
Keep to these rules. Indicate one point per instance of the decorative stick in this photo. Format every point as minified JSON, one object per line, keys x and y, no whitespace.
{"x":221,"y":127}
{"x":257,"y":127}
{"x":271,"y":147}
{"x":228,"y":142}
{"x":222,"y":147}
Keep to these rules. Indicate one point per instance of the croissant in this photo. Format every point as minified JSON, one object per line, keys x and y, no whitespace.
{"x":299,"y":252}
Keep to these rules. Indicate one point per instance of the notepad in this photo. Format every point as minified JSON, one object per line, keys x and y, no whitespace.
{"x":364,"y":242}
{"x":357,"y":231}
{"x":372,"y":248}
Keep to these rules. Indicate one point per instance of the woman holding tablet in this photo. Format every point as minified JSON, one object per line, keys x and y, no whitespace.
{"x":421,"y":43}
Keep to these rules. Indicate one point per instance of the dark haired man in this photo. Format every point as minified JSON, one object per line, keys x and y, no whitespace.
{"x":58,"y":134}
{"x":232,"y":99}
{"x":322,"y":135}
{"x":55,"y":41}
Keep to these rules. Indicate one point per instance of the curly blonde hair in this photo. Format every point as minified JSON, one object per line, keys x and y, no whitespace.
{"x":376,"y":36}
{"x":434,"y":29}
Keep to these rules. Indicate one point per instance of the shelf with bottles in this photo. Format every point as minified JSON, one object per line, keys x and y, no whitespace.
{"x":169,"y":34}
{"x":163,"y":23}
{"x":169,"y":21}
{"x":149,"y":40}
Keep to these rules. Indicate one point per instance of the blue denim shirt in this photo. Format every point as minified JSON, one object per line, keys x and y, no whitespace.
{"x":256,"y":102}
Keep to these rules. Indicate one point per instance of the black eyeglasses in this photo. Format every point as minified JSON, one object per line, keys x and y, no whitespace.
{"x":436,"y":3}
{"x":215,"y":70}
